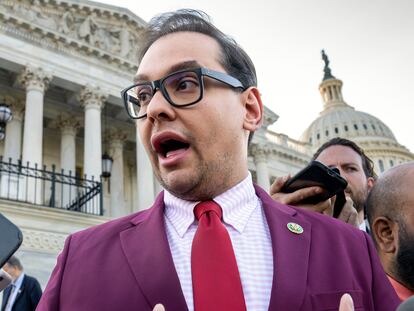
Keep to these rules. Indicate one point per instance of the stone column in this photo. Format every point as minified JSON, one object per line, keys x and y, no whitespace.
{"x":92,"y":100}
{"x":68,"y":125}
{"x":260,"y":153}
{"x":12,"y":147}
{"x":145,"y":180}
{"x":35,"y":80}
{"x":13,"y":139}
{"x":116,"y":144}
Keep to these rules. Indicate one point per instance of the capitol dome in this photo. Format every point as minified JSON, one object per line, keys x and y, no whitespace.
{"x":344,"y":121}
{"x":338,"y":119}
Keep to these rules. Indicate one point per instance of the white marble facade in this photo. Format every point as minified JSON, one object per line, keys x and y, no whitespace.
{"x":62,"y":66}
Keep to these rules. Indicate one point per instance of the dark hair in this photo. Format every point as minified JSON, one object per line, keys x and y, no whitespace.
{"x":367,"y":164}
{"x":233,"y":58}
{"x":14,"y":262}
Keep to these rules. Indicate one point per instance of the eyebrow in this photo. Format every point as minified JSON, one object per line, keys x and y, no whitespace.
{"x":177,"y":67}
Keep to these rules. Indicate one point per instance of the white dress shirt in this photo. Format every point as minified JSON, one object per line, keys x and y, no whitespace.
{"x":12,"y":298}
{"x":244,"y":218}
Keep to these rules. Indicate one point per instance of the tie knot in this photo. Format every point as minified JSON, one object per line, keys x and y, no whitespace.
{"x":207,"y":206}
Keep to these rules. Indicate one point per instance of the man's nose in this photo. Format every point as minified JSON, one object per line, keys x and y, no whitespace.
{"x":159,"y":108}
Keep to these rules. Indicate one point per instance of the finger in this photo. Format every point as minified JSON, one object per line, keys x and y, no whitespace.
{"x":349,"y":214}
{"x":158,"y":307}
{"x":278,"y":184}
{"x":346,"y":303}
{"x":324,"y":207}
{"x":302,"y":194}
{"x":353,"y":219}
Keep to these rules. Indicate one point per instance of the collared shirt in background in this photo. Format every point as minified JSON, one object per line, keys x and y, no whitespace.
{"x":12,"y":298}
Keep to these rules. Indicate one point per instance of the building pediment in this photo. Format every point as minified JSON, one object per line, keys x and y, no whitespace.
{"x":80,"y":28}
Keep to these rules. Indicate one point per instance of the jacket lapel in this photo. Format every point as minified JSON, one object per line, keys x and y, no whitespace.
{"x":290,"y":254}
{"x":6,"y":295}
{"x":147,"y":250}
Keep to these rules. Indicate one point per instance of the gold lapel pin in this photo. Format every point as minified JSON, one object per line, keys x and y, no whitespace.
{"x":295,"y":228}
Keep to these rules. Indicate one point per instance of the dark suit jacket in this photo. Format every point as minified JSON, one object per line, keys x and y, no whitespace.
{"x":28,"y":296}
{"x":126,"y":264}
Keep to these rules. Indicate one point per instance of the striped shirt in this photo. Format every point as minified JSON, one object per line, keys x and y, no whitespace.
{"x":244,"y":218}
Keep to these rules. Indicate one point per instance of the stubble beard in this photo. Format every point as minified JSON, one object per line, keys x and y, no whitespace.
{"x":205,"y":182}
{"x":403,"y":261}
{"x":359,"y":198}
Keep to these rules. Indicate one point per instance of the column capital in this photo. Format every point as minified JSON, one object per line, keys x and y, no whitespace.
{"x":259,"y":152}
{"x":67,"y":123}
{"x":116,"y":138}
{"x":92,"y":97}
{"x":35,"y":78}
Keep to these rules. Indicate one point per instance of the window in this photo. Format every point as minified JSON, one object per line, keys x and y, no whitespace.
{"x":365,"y":126}
{"x":391,"y":163}
{"x":327,"y":133}
{"x":381,"y":165}
{"x":336,"y":130}
{"x":318,"y":136}
{"x":346,"y":128}
{"x":356,"y":127}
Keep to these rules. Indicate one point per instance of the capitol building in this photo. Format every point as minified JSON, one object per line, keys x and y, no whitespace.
{"x":62,"y":66}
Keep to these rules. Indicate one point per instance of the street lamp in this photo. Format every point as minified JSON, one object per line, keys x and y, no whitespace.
{"x":106,"y":165}
{"x":5,"y":116}
{"x":106,"y":159}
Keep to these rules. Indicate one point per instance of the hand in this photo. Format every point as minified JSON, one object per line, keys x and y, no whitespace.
{"x":160,"y":307}
{"x":346,"y":303}
{"x":294,"y":198}
{"x":349,"y":214}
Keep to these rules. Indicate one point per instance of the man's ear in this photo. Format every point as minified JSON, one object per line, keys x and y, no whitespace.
{"x":385,"y":233}
{"x":254,"y":109}
{"x":370,"y":183}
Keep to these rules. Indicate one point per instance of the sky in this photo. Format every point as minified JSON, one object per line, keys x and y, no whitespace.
{"x":370,"y":45}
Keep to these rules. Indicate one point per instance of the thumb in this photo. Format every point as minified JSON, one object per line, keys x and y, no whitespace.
{"x":346,"y":303}
{"x":278,"y":184}
{"x":158,"y":307}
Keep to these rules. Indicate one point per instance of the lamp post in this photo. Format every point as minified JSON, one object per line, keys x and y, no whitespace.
{"x":5,"y":116}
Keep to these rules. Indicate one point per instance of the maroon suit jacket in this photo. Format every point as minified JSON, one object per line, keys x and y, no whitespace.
{"x":126,"y":264}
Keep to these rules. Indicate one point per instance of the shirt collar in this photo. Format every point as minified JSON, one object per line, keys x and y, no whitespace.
{"x":403,"y":292}
{"x":19,"y":281}
{"x":237,"y":203}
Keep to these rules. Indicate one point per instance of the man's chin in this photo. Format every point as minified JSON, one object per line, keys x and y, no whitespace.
{"x":178,"y":183}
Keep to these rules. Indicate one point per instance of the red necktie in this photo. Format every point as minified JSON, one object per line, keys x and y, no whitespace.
{"x":216,"y":279}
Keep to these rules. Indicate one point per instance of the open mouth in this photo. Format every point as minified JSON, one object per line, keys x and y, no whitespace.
{"x":168,"y":145}
{"x":171,"y":146}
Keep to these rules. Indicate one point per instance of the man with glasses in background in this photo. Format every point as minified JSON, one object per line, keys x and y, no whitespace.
{"x":212,"y":240}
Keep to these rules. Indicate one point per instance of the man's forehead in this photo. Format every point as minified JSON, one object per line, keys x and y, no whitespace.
{"x":169,"y":52}
{"x":176,"y":67}
{"x":338,"y":154}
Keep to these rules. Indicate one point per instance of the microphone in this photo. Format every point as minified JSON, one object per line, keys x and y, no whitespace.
{"x":407,"y":305}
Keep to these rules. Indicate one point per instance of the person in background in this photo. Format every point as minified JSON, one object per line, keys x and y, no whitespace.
{"x":24,"y":293}
{"x":354,"y":166}
{"x":390,"y":209}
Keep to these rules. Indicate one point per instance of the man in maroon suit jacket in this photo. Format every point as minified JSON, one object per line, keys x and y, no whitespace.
{"x":198,"y":150}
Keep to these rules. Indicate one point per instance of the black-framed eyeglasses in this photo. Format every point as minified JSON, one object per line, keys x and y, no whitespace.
{"x":181,"y":89}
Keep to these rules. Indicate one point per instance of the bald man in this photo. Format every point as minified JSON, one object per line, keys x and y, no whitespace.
{"x":390,"y":209}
